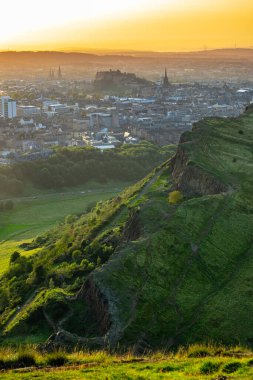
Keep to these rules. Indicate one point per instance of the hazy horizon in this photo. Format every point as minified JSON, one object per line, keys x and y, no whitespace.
{"x":136,"y":25}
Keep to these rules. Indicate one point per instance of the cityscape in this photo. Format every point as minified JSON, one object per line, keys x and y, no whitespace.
{"x":126,"y":190}
{"x":110,"y":109}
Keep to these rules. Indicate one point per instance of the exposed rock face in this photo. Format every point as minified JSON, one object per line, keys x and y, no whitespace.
{"x":97,"y":303}
{"x":132,"y":229}
{"x":190,"y":178}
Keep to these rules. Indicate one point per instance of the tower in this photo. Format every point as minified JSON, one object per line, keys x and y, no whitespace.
{"x":59,"y":73}
{"x":166,"y":82}
{"x":51,"y":74}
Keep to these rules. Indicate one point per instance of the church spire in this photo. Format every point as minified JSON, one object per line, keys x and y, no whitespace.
{"x":59,"y":73}
{"x":165,"y":79}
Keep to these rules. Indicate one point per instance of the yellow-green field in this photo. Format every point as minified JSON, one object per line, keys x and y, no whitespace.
{"x":37,"y":213}
{"x":222,"y":364}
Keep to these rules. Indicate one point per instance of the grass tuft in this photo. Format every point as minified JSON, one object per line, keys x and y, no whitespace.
{"x":231,"y":367}
{"x":207,"y":368}
{"x":56,"y":359}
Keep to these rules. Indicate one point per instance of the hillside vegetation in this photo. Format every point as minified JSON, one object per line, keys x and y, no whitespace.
{"x":195,"y":362}
{"x":148,"y":269}
{"x":68,"y":167}
{"x":34,"y":215}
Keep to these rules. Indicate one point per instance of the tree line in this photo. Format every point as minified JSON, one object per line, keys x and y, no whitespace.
{"x":75,"y":166}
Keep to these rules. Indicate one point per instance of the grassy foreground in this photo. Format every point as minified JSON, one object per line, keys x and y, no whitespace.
{"x":41,"y":210}
{"x":195,"y":362}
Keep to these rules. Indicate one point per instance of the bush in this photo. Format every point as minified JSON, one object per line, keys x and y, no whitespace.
{"x":56,"y":359}
{"x":231,"y":367}
{"x":175,"y":197}
{"x":24,"y":359}
{"x":198,"y":353}
{"x":77,"y":256}
{"x":14,"y":257}
{"x":209,"y":368}
{"x":2,"y":363}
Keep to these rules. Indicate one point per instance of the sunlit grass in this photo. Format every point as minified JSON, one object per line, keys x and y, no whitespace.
{"x":81,"y":364}
{"x":37,"y":214}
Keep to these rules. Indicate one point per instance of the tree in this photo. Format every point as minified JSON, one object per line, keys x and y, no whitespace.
{"x":14,"y":257}
{"x":175,"y":197}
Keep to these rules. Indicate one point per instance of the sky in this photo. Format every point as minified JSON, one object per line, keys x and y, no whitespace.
{"x":157,"y":25}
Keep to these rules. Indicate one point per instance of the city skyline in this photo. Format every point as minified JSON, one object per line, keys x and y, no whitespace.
{"x":166,"y":25}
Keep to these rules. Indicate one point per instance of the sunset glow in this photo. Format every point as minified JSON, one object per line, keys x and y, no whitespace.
{"x":134,"y":24}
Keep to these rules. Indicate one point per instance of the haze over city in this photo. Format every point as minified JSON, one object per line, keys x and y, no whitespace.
{"x":126,"y":177}
{"x":163,"y":25}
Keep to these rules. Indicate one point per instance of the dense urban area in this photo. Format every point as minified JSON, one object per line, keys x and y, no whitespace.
{"x":109,"y":109}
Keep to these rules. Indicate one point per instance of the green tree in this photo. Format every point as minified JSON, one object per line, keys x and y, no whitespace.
{"x":175,"y":197}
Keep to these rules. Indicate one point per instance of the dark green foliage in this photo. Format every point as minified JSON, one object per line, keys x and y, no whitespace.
{"x":14,"y":257}
{"x":56,"y":359}
{"x":199,"y":353}
{"x":24,"y":359}
{"x":209,"y":367}
{"x":71,"y":167}
{"x":20,"y":360}
{"x":231,"y":367}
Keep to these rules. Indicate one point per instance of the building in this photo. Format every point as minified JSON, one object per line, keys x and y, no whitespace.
{"x":28,"y":110}
{"x":166,"y":82}
{"x":9,"y":107}
{"x":58,"y":108}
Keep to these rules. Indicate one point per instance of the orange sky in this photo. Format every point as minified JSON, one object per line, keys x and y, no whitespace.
{"x":162,"y":25}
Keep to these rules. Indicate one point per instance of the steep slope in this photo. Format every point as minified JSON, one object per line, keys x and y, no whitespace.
{"x":164,"y":274}
{"x":187,"y":277}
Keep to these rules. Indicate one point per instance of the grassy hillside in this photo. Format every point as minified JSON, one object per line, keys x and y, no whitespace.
{"x":144,"y":272}
{"x":35,"y":214}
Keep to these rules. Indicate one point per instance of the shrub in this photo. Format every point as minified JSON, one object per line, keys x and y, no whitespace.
{"x":231,"y":367}
{"x":198,"y":353}
{"x":56,"y":359}
{"x":24,"y":359}
{"x":209,"y":368}
{"x":77,"y":256}
{"x":175,"y":197}
{"x":14,"y":257}
{"x":2,"y":363}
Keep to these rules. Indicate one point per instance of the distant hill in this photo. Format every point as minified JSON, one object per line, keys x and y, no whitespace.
{"x":226,"y":63}
{"x":53,"y":57}
{"x":145,"y":272}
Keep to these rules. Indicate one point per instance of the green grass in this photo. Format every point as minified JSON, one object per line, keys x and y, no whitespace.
{"x":40,"y":211}
{"x":170,"y":274}
{"x":102,"y":365}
